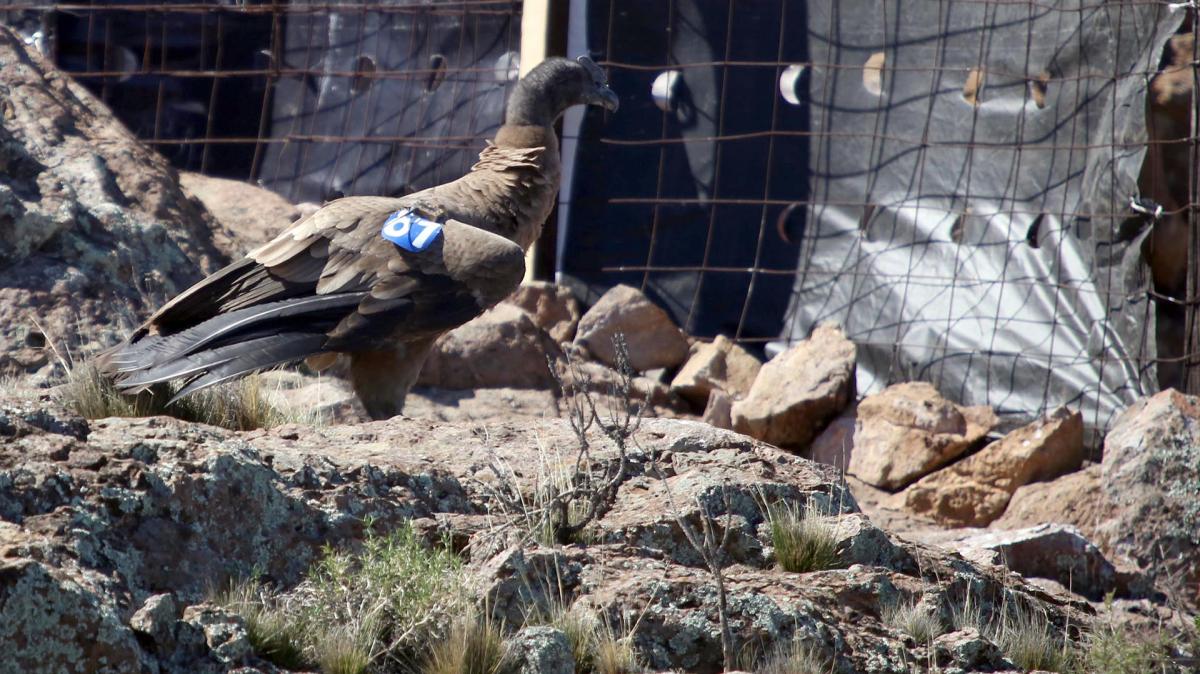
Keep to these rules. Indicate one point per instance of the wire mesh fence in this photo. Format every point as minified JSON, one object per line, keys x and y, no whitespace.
{"x":992,"y":195}
{"x":312,"y":99}
{"x":995,"y":196}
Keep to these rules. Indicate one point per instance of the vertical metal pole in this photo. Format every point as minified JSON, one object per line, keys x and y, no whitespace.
{"x":1191,"y":382}
{"x":535,"y":40}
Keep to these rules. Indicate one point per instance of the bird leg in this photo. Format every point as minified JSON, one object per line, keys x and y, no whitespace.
{"x":381,"y":379}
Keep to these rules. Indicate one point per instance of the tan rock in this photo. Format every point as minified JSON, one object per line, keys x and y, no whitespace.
{"x":909,"y":430}
{"x":1071,"y":499}
{"x":799,"y":390}
{"x":651,"y":336}
{"x":247,"y":215}
{"x":718,"y":411}
{"x":976,"y":490}
{"x":834,"y":445}
{"x":553,"y":308}
{"x":501,"y":348}
{"x":720,"y":365}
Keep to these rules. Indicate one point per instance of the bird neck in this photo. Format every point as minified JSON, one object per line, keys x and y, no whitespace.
{"x":530,"y":105}
{"x":521,"y":136}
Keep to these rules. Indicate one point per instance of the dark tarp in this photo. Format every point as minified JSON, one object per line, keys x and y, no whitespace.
{"x":444,"y":77}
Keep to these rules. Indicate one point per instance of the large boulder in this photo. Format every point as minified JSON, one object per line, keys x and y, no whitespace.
{"x":501,"y":348}
{"x":1151,"y":480}
{"x":651,"y":336}
{"x":799,"y":390}
{"x":1055,"y":551}
{"x":94,"y":228}
{"x":247,"y":216}
{"x":976,"y":490}
{"x":720,"y":365}
{"x":908,"y":430}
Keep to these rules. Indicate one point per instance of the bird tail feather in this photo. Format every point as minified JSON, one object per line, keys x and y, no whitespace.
{"x":230,"y":345}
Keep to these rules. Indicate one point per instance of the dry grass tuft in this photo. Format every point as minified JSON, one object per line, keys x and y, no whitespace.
{"x":475,"y":645}
{"x":913,"y":619}
{"x":795,"y":657}
{"x":241,"y":405}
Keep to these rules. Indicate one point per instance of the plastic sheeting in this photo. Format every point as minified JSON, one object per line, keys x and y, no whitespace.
{"x":971,"y":185}
{"x":950,"y":181}
{"x":390,"y":101}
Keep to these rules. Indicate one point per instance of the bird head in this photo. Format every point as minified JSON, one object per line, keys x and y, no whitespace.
{"x":555,"y":85}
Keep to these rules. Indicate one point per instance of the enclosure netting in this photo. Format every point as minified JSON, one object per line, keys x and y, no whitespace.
{"x":971,"y":188}
{"x":956,"y":183}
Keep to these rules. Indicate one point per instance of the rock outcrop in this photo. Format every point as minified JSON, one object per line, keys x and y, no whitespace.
{"x":114,"y":530}
{"x":94,"y":228}
{"x":1150,"y":476}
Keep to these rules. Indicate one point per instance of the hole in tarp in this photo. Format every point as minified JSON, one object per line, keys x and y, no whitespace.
{"x":865,"y":221}
{"x":959,"y":225}
{"x":783,"y":224}
{"x":1035,"y":231}
{"x":1038,"y":88}
{"x":972,"y":91}
{"x":872,"y":74}
{"x":437,"y":72}
{"x":364,"y":71}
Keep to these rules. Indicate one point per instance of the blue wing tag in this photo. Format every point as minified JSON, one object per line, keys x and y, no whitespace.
{"x":410,"y":231}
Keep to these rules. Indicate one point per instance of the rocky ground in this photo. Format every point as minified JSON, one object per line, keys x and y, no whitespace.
{"x":947,"y":540}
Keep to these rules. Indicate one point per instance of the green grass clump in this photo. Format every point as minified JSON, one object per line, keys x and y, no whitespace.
{"x":385,"y":606}
{"x":241,"y":405}
{"x":804,"y":539}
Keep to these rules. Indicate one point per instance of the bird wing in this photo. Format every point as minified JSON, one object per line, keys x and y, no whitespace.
{"x":331,"y":282}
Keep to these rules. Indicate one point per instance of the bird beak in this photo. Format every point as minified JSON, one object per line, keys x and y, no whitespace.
{"x":605,"y":97}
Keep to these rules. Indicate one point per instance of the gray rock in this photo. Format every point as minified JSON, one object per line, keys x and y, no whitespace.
{"x":540,"y":650}
{"x":96,"y":229}
{"x":1055,"y":551}
{"x":224,"y":632}
{"x":1151,"y":480}
{"x":156,"y":619}
{"x":967,"y":650}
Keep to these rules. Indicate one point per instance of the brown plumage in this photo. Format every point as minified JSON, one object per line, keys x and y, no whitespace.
{"x":331,"y":283}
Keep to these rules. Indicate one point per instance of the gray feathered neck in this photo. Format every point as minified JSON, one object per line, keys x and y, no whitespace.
{"x":546,"y":92}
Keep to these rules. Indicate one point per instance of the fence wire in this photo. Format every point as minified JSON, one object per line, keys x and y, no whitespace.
{"x":992,"y":195}
{"x":312,"y":99}
{"x":995,"y":196}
